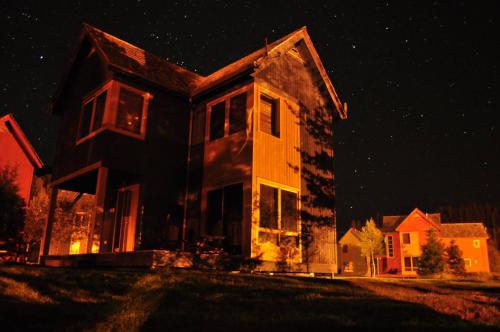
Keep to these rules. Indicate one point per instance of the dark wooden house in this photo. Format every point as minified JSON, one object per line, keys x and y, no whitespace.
{"x":241,"y":157}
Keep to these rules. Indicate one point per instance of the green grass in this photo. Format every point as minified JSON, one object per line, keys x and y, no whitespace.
{"x":34,"y":298}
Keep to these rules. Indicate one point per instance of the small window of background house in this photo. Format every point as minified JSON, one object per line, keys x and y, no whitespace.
{"x":217,"y":117}
{"x":269,"y":115}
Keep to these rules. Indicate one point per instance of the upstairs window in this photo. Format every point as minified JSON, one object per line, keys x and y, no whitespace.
{"x":92,"y":114}
{"x":130,"y":109}
{"x":114,"y":107}
{"x":476,"y":243}
{"x":228,"y":115}
{"x":345,"y":248}
{"x":217,"y":117}
{"x":269,"y":116}
{"x":406,"y":238}
{"x":237,"y":113}
{"x":390,"y":246}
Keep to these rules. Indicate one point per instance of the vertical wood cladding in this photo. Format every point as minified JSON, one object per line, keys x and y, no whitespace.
{"x":299,"y":81}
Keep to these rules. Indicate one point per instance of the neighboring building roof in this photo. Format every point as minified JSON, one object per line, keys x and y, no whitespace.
{"x":354,"y":232}
{"x":457,"y":230}
{"x":13,"y":127}
{"x":391,"y":223}
{"x":132,"y":60}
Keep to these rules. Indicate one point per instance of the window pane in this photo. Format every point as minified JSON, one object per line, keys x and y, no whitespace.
{"x":129,"y":111}
{"x":269,"y":116}
{"x":268,"y":207}
{"x":289,"y":241}
{"x":406,"y":238}
{"x":217,"y":117}
{"x":390,"y":248}
{"x":99,"y":110}
{"x":233,"y":216}
{"x":237,"y":113}
{"x":86,"y":118}
{"x":345,"y":248}
{"x":214,"y":212}
{"x":268,"y":237}
{"x":289,"y":220}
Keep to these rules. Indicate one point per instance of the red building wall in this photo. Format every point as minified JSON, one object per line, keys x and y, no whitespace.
{"x":14,"y":152}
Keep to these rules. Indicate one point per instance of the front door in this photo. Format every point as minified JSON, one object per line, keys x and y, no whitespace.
{"x":127,"y":203}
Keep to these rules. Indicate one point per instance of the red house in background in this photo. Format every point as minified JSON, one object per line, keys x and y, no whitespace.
{"x":16,"y":151}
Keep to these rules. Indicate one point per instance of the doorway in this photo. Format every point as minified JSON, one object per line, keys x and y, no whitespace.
{"x":127,"y":202}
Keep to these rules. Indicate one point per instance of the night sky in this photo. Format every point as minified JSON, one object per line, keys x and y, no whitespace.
{"x":421,"y":81}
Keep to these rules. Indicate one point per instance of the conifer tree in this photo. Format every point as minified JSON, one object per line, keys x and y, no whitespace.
{"x":454,"y":259}
{"x":432,"y":259}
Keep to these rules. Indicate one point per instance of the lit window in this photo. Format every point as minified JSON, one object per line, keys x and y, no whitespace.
{"x":390,"y":246}
{"x":126,"y":116}
{"x":406,"y":238}
{"x":476,"y":243}
{"x":130,"y":108}
{"x":269,"y":116}
{"x":468,"y":262}
{"x":278,"y":216}
{"x":348,"y":266}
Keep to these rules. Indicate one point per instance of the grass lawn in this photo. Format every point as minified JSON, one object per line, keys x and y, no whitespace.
{"x":33,"y":298}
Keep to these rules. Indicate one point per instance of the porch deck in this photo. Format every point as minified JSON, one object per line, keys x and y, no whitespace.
{"x":136,"y":259}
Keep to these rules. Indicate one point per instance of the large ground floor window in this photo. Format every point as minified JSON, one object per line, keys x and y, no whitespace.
{"x":410,"y":263}
{"x":224,"y":216}
{"x":279,"y":216}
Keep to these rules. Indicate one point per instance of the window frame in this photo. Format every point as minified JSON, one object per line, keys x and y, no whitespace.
{"x":226,"y":98}
{"x":390,"y":246}
{"x":279,"y":231}
{"x":413,"y":263}
{"x":275,"y":100}
{"x":110,"y":113}
{"x":469,"y":260}
{"x":476,"y":243}
{"x":403,"y":238}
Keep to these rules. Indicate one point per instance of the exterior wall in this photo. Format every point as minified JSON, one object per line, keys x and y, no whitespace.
{"x":478,"y":256}
{"x":297,"y":81}
{"x":276,"y":160}
{"x":156,"y":161}
{"x":13,"y":155}
{"x":218,"y":163}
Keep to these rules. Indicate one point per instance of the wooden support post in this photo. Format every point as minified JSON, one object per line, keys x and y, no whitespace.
{"x":47,"y":230}
{"x":100,"y":200}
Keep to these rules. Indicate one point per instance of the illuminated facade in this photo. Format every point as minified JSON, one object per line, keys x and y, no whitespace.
{"x":241,"y":157}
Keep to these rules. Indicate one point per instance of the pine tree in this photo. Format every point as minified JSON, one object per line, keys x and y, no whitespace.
{"x":454,"y":259}
{"x":372,"y":240}
{"x":432,"y":259}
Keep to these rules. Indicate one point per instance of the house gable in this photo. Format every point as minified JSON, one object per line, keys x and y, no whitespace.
{"x":417,"y":221}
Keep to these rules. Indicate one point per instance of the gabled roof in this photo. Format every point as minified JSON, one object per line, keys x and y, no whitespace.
{"x":132,"y":60}
{"x":391,"y":223}
{"x":457,"y":230}
{"x":129,"y":59}
{"x":13,"y":127}
{"x":353,"y":231}
{"x":256,"y":59}
{"x":135,"y":61}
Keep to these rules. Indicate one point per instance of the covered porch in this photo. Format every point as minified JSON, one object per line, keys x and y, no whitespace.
{"x":93,"y":210}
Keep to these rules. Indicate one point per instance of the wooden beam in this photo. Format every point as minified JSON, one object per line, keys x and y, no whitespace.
{"x":100,"y":200}
{"x":47,"y":230}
